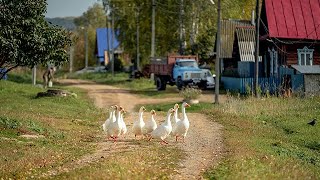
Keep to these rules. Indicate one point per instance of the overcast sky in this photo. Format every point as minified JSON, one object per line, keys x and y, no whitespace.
{"x":63,"y":8}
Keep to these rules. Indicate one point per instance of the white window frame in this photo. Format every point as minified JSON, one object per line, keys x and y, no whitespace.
{"x":303,"y":53}
{"x":273,"y":61}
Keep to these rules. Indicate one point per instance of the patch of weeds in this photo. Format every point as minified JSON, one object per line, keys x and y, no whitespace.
{"x":313,"y":145}
{"x":8,"y":123}
{"x":288,"y":130}
{"x":35,"y":127}
{"x":57,"y":135}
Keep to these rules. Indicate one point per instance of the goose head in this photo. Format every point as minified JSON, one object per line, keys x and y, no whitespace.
{"x":122,"y":110}
{"x":185,"y":105}
{"x":111,"y":108}
{"x":171,"y":110}
{"x":176,"y":106}
{"x":153,"y":112}
{"x":142,"y":109}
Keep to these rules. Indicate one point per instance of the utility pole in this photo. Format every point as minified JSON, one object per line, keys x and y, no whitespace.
{"x":71,"y":51}
{"x":153,"y":28}
{"x":34,"y":75}
{"x":138,"y":36}
{"x":86,"y":39}
{"x":112,"y":41}
{"x":256,"y":53}
{"x":217,"y":62}
{"x":181,"y":28}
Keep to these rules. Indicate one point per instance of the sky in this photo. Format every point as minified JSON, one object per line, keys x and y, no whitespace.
{"x":64,"y":8}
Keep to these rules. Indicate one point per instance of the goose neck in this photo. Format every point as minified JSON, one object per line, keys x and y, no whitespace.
{"x":140,"y":116}
{"x":168,"y":120}
{"x":176,"y":114}
{"x":184,"y":112}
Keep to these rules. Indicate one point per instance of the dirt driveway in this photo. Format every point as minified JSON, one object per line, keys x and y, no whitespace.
{"x":203,"y":143}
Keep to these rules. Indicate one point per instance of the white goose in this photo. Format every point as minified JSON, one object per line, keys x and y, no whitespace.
{"x":123,"y":124}
{"x":151,"y":124}
{"x":164,"y":130}
{"x":138,"y":126}
{"x":182,"y":126}
{"x":114,"y":129}
{"x":106,"y":124}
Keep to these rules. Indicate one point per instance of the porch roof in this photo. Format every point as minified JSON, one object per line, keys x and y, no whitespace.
{"x":315,"y":69}
{"x":227,"y":36}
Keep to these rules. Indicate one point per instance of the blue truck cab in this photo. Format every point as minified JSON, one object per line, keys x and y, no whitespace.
{"x":187,"y":73}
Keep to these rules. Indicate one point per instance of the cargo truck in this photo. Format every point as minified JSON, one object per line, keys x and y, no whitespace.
{"x":177,"y":70}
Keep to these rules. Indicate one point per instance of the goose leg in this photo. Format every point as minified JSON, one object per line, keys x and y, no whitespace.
{"x":176,"y":138}
{"x":165,"y":142}
{"x":115,"y":139}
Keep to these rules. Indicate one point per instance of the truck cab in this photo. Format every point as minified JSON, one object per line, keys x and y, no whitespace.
{"x":187,"y":73}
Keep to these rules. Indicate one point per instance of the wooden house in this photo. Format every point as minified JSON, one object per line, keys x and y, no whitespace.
{"x":289,"y":48}
{"x":290,"y":43}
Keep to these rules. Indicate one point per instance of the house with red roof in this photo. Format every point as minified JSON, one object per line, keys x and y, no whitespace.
{"x":290,"y":43}
{"x":289,"y":53}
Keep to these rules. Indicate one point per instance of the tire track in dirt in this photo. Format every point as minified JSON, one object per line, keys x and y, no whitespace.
{"x":203,"y":144}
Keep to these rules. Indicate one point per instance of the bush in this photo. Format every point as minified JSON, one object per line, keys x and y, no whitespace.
{"x":190,"y":93}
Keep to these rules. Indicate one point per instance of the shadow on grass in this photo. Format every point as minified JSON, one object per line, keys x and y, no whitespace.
{"x":26,"y":79}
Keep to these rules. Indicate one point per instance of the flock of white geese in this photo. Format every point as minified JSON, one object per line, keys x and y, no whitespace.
{"x":115,"y":125}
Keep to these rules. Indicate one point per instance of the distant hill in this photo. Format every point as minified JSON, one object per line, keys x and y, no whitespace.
{"x":65,"y":22}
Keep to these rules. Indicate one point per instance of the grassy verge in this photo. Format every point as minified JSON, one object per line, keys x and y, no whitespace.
{"x":269,"y":139}
{"x":265,"y":138}
{"x":64,"y":127}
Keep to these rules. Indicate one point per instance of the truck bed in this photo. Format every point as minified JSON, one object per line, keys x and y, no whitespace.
{"x":161,"y":69}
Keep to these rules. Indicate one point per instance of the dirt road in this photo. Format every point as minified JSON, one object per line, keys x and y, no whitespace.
{"x":203,"y":143}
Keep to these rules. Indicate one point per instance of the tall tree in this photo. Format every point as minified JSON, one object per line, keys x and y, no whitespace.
{"x":90,"y":20}
{"x":26,"y":39}
{"x":199,"y":23}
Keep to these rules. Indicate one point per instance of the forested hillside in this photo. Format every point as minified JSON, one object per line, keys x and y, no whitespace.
{"x":65,"y":22}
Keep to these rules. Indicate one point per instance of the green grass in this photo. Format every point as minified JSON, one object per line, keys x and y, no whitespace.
{"x":64,"y":124}
{"x":268,"y":139}
{"x":68,"y":129}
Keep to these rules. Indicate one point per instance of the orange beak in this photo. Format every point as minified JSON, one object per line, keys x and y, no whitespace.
{"x":187,"y":105}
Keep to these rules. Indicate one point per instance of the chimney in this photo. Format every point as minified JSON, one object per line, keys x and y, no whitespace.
{"x":253,"y":18}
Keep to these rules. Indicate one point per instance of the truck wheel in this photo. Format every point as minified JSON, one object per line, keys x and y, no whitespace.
{"x":179,"y":83}
{"x":161,"y":84}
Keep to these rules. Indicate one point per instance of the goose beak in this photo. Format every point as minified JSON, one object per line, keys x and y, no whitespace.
{"x":187,"y":105}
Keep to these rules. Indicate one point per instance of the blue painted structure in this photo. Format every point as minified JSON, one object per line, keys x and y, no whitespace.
{"x":241,"y":84}
{"x":297,"y":80}
{"x":246,"y":69}
{"x":272,"y":83}
{"x":2,"y":70}
{"x":104,"y":42}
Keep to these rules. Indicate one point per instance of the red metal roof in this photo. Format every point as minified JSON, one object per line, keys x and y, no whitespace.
{"x":293,"y":19}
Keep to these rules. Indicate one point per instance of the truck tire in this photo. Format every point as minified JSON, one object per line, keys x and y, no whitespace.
{"x":161,"y":84}
{"x":179,"y":83}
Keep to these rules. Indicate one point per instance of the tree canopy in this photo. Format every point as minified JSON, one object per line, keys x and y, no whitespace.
{"x":198,"y":20}
{"x":26,"y":39}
